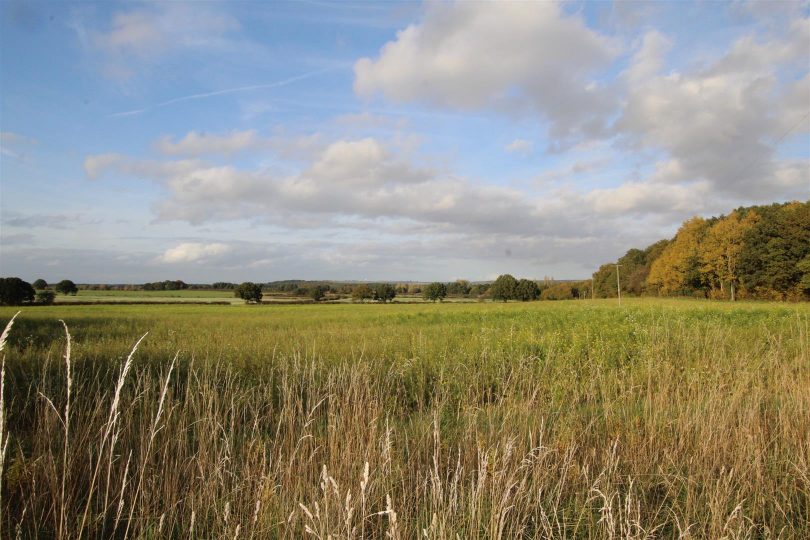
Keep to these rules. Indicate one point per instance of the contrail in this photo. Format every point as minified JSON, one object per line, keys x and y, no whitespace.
{"x":275,"y":84}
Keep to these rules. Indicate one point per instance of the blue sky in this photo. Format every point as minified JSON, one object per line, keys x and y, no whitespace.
{"x":386,"y":141}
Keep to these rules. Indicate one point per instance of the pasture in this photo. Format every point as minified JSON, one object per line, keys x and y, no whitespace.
{"x":573,"y":419}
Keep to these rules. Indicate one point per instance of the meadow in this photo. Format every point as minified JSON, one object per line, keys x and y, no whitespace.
{"x":570,"y":419}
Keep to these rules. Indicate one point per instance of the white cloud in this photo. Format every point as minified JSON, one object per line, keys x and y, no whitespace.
{"x":719,"y":124}
{"x":520,"y":146}
{"x":14,"y":145}
{"x":143,"y":36}
{"x":191,"y":252}
{"x":470,"y":55}
{"x":8,"y":138}
{"x":196,"y":144}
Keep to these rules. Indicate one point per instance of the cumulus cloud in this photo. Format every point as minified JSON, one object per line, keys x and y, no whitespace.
{"x":359,"y":184}
{"x":719,"y":124}
{"x":470,"y":55}
{"x":191,"y":252}
{"x":196,"y":144}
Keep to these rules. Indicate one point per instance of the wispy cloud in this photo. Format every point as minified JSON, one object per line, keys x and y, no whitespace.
{"x":204,"y":95}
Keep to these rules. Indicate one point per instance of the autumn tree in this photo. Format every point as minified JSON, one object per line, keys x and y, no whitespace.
{"x":677,"y":270}
{"x":362,"y":292}
{"x":721,"y":249}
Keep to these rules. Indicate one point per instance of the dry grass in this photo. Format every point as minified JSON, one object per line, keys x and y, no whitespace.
{"x":674,"y":422}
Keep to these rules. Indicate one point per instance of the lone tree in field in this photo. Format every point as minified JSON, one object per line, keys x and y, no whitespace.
{"x":435,"y":291}
{"x":14,"y":291}
{"x":40,"y":284}
{"x":527,"y":289}
{"x":504,"y":288}
{"x":66,"y":287}
{"x":249,"y":292}
{"x":362,"y":292}
{"x":383,"y":292}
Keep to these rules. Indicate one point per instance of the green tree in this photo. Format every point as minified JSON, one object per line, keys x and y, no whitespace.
{"x":804,"y":282}
{"x":479,"y":289}
{"x":40,"y":284}
{"x":45,"y":297}
{"x":66,"y":287}
{"x":249,"y":292}
{"x":769,"y":261}
{"x":15,"y":292}
{"x":504,"y":288}
{"x":362,"y":292}
{"x":317,"y":292}
{"x":527,"y":289}
{"x":434,"y":291}
{"x":460,"y":287}
{"x":384,"y":292}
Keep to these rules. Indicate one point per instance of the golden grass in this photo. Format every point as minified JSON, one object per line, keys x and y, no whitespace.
{"x":548,"y":420}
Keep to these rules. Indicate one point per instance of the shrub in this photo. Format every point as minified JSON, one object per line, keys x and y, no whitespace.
{"x":45,"y":297}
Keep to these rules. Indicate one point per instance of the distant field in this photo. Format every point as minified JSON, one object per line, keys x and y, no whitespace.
{"x":149,"y":296}
{"x":578,"y":419}
{"x":207,"y":296}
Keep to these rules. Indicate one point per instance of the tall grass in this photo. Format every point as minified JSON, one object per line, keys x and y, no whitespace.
{"x":570,"y":420}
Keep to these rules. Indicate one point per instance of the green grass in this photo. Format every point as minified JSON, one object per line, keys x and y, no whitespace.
{"x":573,"y":419}
{"x":149,"y":296}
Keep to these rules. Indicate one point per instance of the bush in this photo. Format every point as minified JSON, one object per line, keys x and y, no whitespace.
{"x":45,"y":297}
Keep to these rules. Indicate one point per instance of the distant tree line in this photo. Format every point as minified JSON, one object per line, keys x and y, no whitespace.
{"x":753,"y":252}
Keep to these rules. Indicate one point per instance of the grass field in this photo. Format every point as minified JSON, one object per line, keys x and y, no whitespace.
{"x":576,"y":419}
{"x":195,"y":296}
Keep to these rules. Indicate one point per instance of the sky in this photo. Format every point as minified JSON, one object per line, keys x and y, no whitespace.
{"x":393,"y":141}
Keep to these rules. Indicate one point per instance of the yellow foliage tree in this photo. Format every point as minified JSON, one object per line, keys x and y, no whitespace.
{"x":722,"y":247}
{"x":678,"y":267}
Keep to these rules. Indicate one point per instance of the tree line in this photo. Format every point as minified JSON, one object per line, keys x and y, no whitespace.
{"x":760,"y":252}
